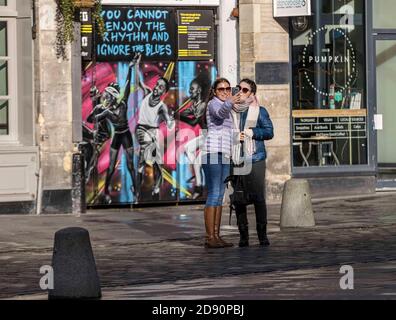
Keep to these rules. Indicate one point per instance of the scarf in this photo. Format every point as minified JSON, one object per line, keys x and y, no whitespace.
{"x":241,"y":107}
{"x":248,"y":147}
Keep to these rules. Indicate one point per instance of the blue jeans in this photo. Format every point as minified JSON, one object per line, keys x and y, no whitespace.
{"x":216,"y":169}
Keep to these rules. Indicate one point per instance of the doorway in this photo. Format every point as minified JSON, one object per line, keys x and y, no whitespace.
{"x":385,"y":122}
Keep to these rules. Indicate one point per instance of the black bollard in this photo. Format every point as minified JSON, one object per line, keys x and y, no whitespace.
{"x":73,"y":263}
{"x":78,"y":184}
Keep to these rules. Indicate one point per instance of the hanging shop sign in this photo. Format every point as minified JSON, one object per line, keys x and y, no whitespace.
{"x":195,"y":35}
{"x":129,"y":30}
{"x":292,"y":8}
{"x":164,"y":2}
{"x":86,"y":34}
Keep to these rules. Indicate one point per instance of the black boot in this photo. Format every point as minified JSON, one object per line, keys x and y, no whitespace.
{"x":262,"y":234}
{"x":244,"y":235}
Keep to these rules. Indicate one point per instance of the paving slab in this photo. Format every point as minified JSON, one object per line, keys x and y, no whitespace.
{"x":149,"y":253}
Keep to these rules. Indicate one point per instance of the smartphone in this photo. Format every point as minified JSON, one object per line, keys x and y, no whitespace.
{"x":235,"y":90}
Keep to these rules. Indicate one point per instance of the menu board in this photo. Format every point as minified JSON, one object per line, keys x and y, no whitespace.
{"x":130,"y":30}
{"x":195,"y":34}
{"x":340,"y":125}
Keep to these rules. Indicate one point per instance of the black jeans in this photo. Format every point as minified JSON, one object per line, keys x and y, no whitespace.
{"x":260,"y":209}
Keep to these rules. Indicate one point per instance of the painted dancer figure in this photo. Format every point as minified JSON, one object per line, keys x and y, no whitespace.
{"x":153,"y":111}
{"x":116,"y":112}
{"x":193,"y":115}
{"x":102,"y":130}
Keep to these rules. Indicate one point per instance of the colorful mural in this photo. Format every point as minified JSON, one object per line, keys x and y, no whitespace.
{"x":194,"y":82}
{"x":142,"y":124}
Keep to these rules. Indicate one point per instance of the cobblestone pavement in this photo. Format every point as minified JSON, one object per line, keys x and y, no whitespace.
{"x":157,"y":253}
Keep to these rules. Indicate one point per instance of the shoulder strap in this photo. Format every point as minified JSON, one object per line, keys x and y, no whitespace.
{"x":231,"y":208}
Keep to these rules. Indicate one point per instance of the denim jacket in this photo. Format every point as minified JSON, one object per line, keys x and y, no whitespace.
{"x":264,"y":130}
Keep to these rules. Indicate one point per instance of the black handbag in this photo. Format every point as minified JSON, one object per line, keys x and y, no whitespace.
{"x":239,"y":195}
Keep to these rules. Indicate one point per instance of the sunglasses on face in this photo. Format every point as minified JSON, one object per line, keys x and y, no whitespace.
{"x":244,"y":90}
{"x":228,"y":89}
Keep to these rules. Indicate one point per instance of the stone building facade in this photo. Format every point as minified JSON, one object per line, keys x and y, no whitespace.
{"x":264,"y":39}
{"x":40,"y":107}
{"x":54,"y":115}
{"x":36,"y":145}
{"x":332,"y":112}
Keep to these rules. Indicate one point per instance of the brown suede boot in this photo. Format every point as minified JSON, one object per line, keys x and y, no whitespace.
{"x":218,"y":212}
{"x":210,"y":239}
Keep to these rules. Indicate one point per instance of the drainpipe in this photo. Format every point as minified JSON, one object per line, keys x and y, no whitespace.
{"x":318,"y":45}
{"x":78,"y":174}
{"x":39,"y":173}
{"x":39,"y":201}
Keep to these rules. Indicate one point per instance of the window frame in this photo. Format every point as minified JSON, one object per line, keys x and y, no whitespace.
{"x":9,"y":10}
{"x":368,"y":169}
{"x":8,"y":14}
{"x":11,"y":58}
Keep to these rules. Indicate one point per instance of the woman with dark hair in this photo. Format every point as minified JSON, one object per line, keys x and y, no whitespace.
{"x":216,"y":157}
{"x":254,"y":126}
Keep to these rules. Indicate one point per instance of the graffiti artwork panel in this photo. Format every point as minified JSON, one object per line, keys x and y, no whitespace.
{"x":194,"y":82}
{"x":128,"y":126}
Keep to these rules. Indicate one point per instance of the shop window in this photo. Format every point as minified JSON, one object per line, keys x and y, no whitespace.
{"x":4,"y":79}
{"x":7,"y":68}
{"x":384,"y":14}
{"x":329,"y":105}
{"x":16,"y":80}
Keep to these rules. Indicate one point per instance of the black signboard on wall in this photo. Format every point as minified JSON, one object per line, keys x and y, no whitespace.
{"x":86,"y":34}
{"x":268,"y":73}
{"x":195,"y":35}
{"x":131,"y":30}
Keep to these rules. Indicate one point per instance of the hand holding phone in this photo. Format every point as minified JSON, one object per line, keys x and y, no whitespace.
{"x":235,"y":90}
{"x":236,"y":98}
